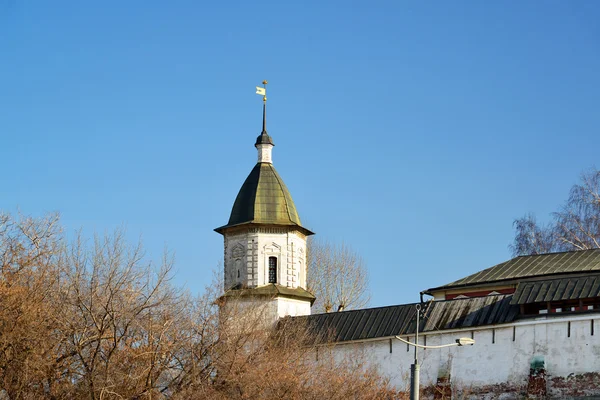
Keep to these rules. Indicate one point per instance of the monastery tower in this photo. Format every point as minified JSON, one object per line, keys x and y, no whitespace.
{"x":264,"y":241}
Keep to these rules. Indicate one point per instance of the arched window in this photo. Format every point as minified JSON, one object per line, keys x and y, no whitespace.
{"x":272,"y":269}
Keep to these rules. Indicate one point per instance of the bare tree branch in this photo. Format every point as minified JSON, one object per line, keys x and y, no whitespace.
{"x":576,"y":226}
{"x":337,"y":276}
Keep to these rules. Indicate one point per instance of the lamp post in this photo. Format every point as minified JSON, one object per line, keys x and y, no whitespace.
{"x":415,"y":368}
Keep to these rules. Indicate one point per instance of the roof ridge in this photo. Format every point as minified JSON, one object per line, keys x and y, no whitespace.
{"x":361,"y":309}
{"x":527,"y":267}
{"x":555,"y":252}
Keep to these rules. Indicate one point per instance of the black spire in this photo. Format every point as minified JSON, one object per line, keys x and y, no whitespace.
{"x":264,"y":118}
{"x":264,"y":137}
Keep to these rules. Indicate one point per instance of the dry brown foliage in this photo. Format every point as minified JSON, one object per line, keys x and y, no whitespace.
{"x":97,"y":321}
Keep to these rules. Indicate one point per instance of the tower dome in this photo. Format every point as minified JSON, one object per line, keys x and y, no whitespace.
{"x":263,"y":198}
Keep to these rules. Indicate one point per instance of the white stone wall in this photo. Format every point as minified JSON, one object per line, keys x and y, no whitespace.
{"x":247,"y":313}
{"x":497,"y":357}
{"x":247,"y":262}
{"x":247,"y":257}
{"x":291,"y":307}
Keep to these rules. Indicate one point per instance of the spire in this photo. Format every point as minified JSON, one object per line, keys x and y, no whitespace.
{"x":264,"y":143}
{"x":264,"y":131}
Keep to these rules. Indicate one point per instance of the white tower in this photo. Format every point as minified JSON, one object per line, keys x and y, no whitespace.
{"x":265,"y":243}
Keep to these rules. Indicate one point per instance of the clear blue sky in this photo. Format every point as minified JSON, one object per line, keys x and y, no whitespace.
{"x":416,"y":133}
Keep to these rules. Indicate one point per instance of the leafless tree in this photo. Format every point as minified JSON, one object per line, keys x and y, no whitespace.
{"x":337,"y":276}
{"x":98,"y":321}
{"x":531,"y":238}
{"x":29,"y":281}
{"x":576,"y":226}
{"x":256,"y":361}
{"x":120,"y":319}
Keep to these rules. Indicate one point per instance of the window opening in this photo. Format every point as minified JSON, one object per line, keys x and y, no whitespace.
{"x":272,"y":269}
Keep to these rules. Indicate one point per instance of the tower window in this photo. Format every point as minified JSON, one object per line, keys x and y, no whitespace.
{"x":272,"y":269}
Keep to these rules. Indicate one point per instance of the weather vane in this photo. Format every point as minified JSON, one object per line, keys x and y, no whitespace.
{"x":262,"y":90}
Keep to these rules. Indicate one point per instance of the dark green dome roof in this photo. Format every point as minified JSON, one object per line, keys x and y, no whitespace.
{"x":264,"y":138}
{"x":264,"y":199}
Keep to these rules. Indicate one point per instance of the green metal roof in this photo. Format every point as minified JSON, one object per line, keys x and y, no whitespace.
{"x":272,"y":290}
{"x":569,"y":288}
{"x":264,"y":199}
{"x":371,"y":323}
{"x":531,"y":266}
{"x":264,"y":138}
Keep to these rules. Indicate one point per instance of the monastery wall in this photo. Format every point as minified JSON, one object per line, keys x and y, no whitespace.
{"x":560,"y":355}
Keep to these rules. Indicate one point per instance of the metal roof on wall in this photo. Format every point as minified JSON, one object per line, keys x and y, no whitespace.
{"x":530,"y":266}
{"x":389,"y":321}
{"x":570,"y":288}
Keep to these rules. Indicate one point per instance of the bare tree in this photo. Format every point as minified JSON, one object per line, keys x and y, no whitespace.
{"x":255,"y":361}
{"x":531,"y":238}
{"x":29,"y":281}
{"x":576,"y":226}
{"x":337,"y":276}
{"x":120,"y":319}
{"x":98,"y":321}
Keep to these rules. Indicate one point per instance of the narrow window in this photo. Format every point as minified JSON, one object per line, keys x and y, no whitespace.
{"x":390,"y":345}
{"x":407,"y":345}
{"x":514,"y":333}
{"x":592,"y":327}
{"x":424,"y":341}
{"x":493,"y":336}
{"x":569,"y":329}
{"x":472,"y":334}
{"x":272,"y":269}
{"x":238,"y":273}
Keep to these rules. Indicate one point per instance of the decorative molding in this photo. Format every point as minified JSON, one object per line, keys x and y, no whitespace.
{"x":238,"y":251}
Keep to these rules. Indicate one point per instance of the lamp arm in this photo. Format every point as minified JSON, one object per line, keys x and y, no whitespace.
{"x":426,"y":347}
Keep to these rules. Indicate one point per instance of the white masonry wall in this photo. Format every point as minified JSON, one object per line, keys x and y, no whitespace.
{"x":247,"y":257}
{"x":246,"y":313}
{"x":501,"y":354}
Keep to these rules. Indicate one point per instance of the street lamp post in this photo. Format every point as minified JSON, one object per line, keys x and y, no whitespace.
{"x":415,"y":368}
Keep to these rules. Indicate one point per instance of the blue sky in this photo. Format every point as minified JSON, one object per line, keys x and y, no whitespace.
{"x":414,"y":132}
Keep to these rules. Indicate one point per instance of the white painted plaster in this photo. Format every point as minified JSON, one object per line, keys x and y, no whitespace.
{"x":292,"y":307}
{"x":487,"y":363}
{"x":246,"y":256}
{"x":249,"y":253}
{"x":264,"y":152}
